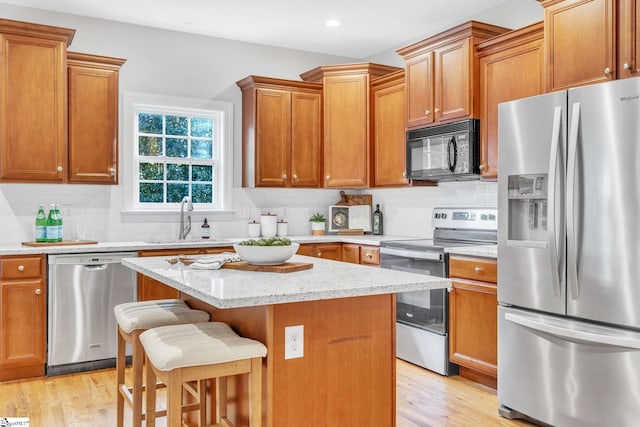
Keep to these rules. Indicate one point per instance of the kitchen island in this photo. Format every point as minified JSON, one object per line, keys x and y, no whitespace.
{"x":346,"y":376}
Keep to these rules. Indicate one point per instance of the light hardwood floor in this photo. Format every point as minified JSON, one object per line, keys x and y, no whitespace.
{"x":424,"y":399}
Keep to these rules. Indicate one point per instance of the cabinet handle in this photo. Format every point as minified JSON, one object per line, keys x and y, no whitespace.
{"x":284,"y":176}
{"x":327,"y":177}
{"x":481,"y":167}
{"x":319,"y":254}
{"x":607,"y":71}
{"x":59,"y":169}
{"x":436,"y":110}
{"x":368,"y":255}
{"x":404,"y":174}
{"x":38,"y":291}
{"x":626,"y":66}
{"x":477,"y":269}
{"x":112,"y":171}
{"x":427,"y":112}
{"x":21,"y":268}
{"x":295,"y":177}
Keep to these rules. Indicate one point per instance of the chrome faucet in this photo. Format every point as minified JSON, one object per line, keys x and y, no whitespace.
{"x":184,"y":230}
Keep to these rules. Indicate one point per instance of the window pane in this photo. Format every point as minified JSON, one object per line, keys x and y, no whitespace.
{"x":151,"y":192}
{"x":151,"y":171}
{"x":202,"y":127}
{"x":175,"y":192}
{"x":176,"y":147}
{"x":177,"y":172}
{"x":202,"y":149}
{"x":202,"y":173}
{"x":149,"y":146}
{"x":202,"y":193}
{"x":150,"y":123}
{"x":177,"y":125}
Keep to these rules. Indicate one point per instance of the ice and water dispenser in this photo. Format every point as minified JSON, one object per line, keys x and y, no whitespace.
{"x":527,"y":195}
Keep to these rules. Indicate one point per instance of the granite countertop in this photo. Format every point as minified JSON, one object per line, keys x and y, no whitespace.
{"x":226,"y":288}
{"x":17,"y":249}
{"x":484,"y":251}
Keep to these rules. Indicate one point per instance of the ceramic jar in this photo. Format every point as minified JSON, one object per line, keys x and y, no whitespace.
{"x":268,"y":224}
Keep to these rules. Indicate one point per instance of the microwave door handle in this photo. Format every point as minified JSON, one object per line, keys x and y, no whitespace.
{"x":551,"y":204}
{"x":450,"y":145}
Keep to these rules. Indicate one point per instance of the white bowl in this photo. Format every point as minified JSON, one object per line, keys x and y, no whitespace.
{"x":266,"y":255}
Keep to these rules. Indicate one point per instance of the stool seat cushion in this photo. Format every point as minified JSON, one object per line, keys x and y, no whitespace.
{"x":180,"y":346}
{"x":150,"y":314}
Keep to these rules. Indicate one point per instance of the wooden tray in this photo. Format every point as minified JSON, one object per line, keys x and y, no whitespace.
{"x":287,"y":267}
{"x":63,"y":243}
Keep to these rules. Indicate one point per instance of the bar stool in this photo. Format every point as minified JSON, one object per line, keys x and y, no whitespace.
{"x":133,"y":319}
{"x":195,"y":352}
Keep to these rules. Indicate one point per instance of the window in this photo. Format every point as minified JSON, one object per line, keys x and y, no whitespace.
{"x":177,"y":151}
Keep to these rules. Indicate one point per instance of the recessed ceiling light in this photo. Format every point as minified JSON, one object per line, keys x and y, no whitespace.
{"x":332,"y":23}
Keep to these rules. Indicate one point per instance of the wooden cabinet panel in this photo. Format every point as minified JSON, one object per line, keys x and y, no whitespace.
{"x":93,"y":118}
{"x":322,"y":250}
{"x":351,"y":253}
{"x":33,"y":102}
{"x":580,"y":42}
{"x":628,"y":38}
{"x":420,"y":89}
{"x":511,"y":67}
{"x":473,"y":318}
{"x":22,"y":317}
{"x":281,"y":133}
{"x":388,"y":110}
{"x":369,"y":255}
{"x":453,"y":83}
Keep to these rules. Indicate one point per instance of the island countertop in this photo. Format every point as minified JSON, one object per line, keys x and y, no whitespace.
{"x":226,"y":288}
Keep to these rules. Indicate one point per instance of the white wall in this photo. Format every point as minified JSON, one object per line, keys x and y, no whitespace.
{"x":172,"y":63}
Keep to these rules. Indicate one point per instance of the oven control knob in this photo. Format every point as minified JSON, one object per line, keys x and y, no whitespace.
{"x":437,"y":216}
{"x":444,"y":216}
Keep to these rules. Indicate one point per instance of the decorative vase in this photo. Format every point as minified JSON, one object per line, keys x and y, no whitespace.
{"x":317,"y":228}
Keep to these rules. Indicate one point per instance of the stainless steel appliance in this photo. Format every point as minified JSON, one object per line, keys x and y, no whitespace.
{"x":83,"y":289}
{"x":569,"y":252}
{"x":422,"y":326}
{"x":446,"y":152}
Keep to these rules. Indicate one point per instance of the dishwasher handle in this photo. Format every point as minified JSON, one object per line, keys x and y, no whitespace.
{"x":95,"y":267}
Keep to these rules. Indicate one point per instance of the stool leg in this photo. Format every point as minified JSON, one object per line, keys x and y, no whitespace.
{"x":120,"y":367}
{"x":255,"y":393}
{"x":150,"y":413}
{"x":202,"y":402}
{"x":174,"y":398}
{"x":137,"y":357}
{"x":221,"y":399}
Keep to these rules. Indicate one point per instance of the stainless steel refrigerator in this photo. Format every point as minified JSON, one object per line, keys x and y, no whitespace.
{"x":569,"y":256}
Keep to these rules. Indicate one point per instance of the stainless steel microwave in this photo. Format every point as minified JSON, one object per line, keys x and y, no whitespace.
{"x":447,"y":152}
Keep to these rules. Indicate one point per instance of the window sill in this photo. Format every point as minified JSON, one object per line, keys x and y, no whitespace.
{"x":173,"y":216}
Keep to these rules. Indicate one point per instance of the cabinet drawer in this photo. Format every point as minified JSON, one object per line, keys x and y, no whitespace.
{"x":21,"y":267}
{"x":369,"y":255}
{"x":481,"y":269}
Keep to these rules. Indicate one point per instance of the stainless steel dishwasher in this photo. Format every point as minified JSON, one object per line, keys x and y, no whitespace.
{"x":83,"y":289}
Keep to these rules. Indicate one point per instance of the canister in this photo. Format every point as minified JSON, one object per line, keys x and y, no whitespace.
{"x":268,"y":224}
{"x":253,"y":229}
{"x":282,"y":228}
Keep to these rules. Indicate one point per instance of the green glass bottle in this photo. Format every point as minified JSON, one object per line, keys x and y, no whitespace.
{"x":377,"y":221}
{"x":58,"y":224}
{"x":52,"y":225}
{"x":41,"y":225}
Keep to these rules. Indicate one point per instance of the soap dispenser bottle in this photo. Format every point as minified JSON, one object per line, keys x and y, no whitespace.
{"x":205,"y":230}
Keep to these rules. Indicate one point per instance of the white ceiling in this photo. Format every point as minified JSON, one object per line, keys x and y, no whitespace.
{"x":368,"y":26}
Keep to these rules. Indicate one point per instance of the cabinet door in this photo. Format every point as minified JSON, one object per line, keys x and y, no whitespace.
{"x":351,"y":253}
{"x":306,"y":139}
{"x":346,"y":133}
{"x":329,"y":251}
{"x":33,"y":109}
{"x":453,"y":81}
{"x":420,"y":90}
{"x":628,"y":38}
{"x":506,"y":75}
{"x":369,"y":255}
{"x":306,"y":250}
{"x":389,"y":152}
{"x":93,"y":125}
{"x":22,"y":322}
{"x":273,"y":138}
{"x":580,"y":43}
{"x":151,"y":289}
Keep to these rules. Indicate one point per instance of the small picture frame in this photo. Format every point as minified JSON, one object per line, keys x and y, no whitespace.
{"x":338,"y":218}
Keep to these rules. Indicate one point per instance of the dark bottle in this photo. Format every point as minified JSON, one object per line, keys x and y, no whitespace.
{"x":377,"y":221}
{"x":205,"y":230}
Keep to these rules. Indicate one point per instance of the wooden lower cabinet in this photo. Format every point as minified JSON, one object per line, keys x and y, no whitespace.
{"x":361,"y":254}
{"x":151,"y":289}
{"x":22,"y":316}
{"x":473,"y":318}
{"x":322,"y":250}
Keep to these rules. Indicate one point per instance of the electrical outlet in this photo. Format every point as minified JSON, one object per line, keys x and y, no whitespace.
{"x":293,"y":342}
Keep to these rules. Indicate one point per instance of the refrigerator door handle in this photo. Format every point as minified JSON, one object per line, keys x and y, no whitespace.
{"x":551,"y":205}
{"x":575,"y":335}
{"x":572,"y":261}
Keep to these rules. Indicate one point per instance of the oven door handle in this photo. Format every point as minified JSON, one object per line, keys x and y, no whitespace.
{"x":433,"y":256}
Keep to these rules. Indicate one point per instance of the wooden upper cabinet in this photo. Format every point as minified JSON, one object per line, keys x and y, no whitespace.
{"x":347,"y":136}
{"x":628,"y":38}
{"x":93,"y":118}
{"x":388,"y":103}
{"x":511,"y":67}
{"x":281,"y":132}
{"x":33,"y":102}
{"x":580,"y":42}
{"x":442,"y":75}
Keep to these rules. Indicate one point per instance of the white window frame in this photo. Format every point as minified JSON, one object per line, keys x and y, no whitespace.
{"x":223,"y":149}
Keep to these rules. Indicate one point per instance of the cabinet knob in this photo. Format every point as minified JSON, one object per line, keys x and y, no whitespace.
{"x":368,"y":255}
{"x":112,"y":171}
{"x":319,"y":254}
{"x":38,"y":291}
{"x":626,"y":66}
{"x":404,"y":174}
{"x":327,"y":177}
{"x":59,"y":169}
{"x":436,"y":110}
{"x":284,"y":176}
{"x":427,"y":112}
{"x":477,"y":269}
{"x":21,"y":268}
{"x":607,"y":71}
{"x":481,"y":167}
{"x":295,"y":176}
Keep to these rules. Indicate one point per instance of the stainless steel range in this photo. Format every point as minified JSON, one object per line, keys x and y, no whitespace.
{"x":422,"y":327}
